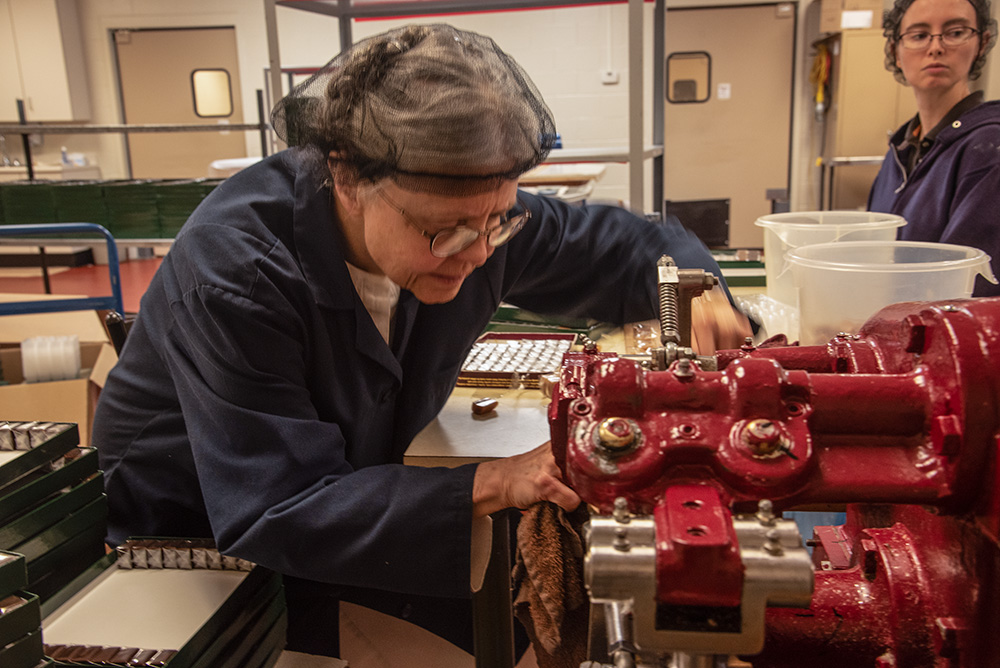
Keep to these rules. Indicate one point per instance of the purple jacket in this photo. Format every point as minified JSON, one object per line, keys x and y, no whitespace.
{"x":953,"y":194}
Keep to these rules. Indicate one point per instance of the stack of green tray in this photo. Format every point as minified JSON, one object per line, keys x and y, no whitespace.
{"x":80,"y":202}
{"x":28,"y":203}
{"x":177,"y":199}
{"x":132,"y":210}
{"x":52,"y":504}
{"x":20,"y":617}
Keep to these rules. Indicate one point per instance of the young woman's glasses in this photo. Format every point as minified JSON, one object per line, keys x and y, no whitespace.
{"x":921,"y":39}
{"x":454,"y":240}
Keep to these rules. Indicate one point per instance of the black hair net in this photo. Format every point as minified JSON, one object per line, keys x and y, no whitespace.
{"x":435,"y":108}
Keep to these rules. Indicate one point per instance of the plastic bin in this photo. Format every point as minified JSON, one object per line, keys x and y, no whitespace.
{"x":840,"y":285}
{"x":784,"y":232}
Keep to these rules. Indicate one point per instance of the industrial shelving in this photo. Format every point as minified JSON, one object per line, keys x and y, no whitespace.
{"x":634,"y":154}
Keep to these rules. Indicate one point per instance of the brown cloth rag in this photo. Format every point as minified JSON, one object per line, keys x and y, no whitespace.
{"x":551,"y":600}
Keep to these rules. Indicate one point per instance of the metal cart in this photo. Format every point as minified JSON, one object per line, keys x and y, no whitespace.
{"x":112,"y":302}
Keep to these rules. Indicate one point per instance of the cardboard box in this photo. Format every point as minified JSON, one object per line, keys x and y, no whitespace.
{"x":16,"y":328}
{"x":58,"y":400}
{"x":837,"y":15}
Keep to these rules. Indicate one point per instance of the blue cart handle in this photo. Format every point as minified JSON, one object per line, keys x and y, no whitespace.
{"x":113,"y":302}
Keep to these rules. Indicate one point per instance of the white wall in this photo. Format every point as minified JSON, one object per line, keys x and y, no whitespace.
{"x":563,"y":50}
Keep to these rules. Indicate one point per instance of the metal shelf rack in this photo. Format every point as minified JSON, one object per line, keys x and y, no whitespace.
{"x":25,"y":129}
{"x":635,"y":154}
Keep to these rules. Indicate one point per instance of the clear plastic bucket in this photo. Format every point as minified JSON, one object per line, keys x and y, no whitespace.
{"x":784,"y":232}
{"x":841,"y":285}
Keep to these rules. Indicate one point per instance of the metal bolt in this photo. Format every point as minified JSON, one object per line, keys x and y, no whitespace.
{"x":616,"y":434}
{"x":765,"y":512}
{"x":620,"y":512}
{"x":773,"y":543}
{"x":683,"y":368}
{"x":621,"y":539}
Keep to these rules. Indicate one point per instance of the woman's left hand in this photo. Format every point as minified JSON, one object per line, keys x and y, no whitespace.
{"x":519,"y":482}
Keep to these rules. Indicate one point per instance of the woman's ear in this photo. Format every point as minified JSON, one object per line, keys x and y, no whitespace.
{"x":345,"y":187}
{"x":346,"y":192}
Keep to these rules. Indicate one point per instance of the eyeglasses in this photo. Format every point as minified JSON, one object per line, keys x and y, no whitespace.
{"x":454,"y":240}
{"x":921,"y":39}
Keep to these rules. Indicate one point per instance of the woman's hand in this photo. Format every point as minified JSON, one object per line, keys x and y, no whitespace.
{"x":715,"y":324}
{"x":520,"y":481}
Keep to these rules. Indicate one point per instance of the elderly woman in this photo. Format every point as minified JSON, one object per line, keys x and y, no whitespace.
{"x":313,"y":314}
{"x":942,"y":171}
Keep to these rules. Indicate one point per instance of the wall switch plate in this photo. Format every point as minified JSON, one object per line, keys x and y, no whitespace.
{"x":609,"y":77}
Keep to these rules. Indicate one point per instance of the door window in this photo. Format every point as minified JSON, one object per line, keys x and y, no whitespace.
{"x":213,"y":93}
{"x":689,"y":75}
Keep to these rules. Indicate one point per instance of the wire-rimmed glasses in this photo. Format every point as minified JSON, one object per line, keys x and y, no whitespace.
{"x":921,"y":39}
{"x":454,"y":240}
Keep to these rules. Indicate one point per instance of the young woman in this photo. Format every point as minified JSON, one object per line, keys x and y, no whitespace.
{"x":942,"y":171}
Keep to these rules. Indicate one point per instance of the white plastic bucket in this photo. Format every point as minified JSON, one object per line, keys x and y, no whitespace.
{"x":841,"y":285}
{"x":784,"y":232}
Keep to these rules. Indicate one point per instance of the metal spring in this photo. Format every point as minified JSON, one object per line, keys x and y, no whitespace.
{"x":669,"y":318}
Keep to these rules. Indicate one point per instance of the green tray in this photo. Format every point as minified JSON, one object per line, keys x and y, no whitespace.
{"x":61,"y":565}
{"x":27,"y":202}
{"x":13,"y":573}
{"x":40,"y":483}
{"x":24,"y":653}
{"x":26,"y":618}
{"x":247,"y":628}
{"x":51,"y":522}
{"x":56,"y":446}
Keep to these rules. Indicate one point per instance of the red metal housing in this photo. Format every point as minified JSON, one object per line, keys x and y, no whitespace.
{"x":898,"y":424}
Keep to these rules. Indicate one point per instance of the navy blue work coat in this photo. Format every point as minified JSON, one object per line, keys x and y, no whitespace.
{"x":255,"y":401}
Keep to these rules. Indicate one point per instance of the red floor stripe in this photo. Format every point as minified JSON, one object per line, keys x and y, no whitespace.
{"x":91,"y":281}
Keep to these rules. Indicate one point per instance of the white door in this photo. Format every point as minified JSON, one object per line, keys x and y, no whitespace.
{"x":187,"y":76}
{"x":728,"y":112}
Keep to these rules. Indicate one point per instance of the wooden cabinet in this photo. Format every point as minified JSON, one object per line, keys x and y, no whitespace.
{"x":868,"y":105}
{"x":41,"y":61}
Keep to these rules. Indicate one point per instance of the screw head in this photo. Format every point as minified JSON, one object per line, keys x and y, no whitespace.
{"x":616,"y":434}
{"x":763,"y":437}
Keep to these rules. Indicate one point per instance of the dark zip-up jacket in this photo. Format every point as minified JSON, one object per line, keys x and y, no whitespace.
{"x":953,"y":194}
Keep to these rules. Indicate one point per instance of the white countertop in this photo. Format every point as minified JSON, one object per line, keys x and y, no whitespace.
{"x":52,"y":172}
{"x":457,"y":436}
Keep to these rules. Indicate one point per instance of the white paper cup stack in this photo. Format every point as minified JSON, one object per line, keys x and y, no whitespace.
{"x":45,"y":358}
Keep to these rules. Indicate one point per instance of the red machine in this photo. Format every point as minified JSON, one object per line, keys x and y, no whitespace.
{"x":689,"y":462}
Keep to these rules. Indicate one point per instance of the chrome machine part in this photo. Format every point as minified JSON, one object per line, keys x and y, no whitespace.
{"x":621,"y":572}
